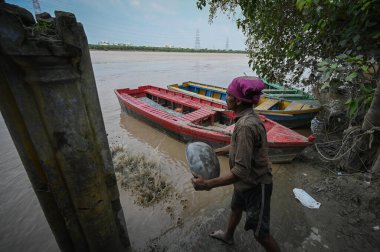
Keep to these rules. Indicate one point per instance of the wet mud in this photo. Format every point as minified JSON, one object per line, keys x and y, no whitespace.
{"x":346,"y":220}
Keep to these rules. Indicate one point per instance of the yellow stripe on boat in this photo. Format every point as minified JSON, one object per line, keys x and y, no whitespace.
{"x":294,"y":106}
{"x":267,"y":104}
{"x":216,"y":95}
{"x":205,"y":85}
{"x":172,"y":87}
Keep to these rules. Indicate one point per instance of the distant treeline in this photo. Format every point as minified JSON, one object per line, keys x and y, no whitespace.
{"x":158,"y":49}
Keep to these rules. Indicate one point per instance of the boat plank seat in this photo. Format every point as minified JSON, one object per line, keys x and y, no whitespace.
{"x":307,"y":106}
{"x":294,"y":106}
{"x":178,"y":98}
{"x":267,"y":104}
{"x":199,"y":114}
{"x":157,"y":111}
{"x":161,"y":113}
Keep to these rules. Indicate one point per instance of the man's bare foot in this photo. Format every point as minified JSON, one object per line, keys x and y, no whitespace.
{"x":220,"y":235}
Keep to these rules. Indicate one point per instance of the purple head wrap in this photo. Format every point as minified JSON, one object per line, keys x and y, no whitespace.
{"x":246,"y":89}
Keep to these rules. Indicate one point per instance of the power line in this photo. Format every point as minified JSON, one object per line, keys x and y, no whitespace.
{"x":36,"y":7}
{"x":197,"y":40}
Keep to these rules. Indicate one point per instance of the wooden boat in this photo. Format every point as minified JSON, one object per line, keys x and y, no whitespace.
{"x":271,"y":90}
{"x":189,"y":118}
{"x":281,"y":92}
{"x":292,"y":114}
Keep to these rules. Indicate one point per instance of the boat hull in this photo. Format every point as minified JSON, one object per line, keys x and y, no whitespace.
{"x":277,"y":155}
{"x":177,"y":134}
{"x":281,"y":92}
{"x":284,"y":144}
{"x":284,"y":155}
{"x":294,"y":121}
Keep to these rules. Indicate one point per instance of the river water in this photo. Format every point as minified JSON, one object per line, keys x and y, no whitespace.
{"x":23,"y":226}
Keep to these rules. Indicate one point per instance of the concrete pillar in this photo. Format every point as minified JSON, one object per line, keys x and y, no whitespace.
{"x":50,"y":104}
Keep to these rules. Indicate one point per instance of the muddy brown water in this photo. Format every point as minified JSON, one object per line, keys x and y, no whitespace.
{"x":183,"y":220}
{"x":23,"y":226}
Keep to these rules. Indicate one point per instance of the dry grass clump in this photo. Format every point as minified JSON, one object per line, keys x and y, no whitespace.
{"x":140,"y":175}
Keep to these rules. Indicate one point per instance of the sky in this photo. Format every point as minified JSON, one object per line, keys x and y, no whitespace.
{"x":147,"y":22}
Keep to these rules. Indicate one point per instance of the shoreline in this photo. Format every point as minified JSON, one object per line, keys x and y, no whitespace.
{"x":160,"y":49}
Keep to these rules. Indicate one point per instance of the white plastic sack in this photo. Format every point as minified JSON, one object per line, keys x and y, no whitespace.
{"x":306,"y":199}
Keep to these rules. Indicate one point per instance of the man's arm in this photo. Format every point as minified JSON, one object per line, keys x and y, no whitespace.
{"x":223,"y":150}
{"x":200,"y":183}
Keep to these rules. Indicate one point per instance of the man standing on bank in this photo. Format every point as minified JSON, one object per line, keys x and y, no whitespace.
{"x":250,"y":168}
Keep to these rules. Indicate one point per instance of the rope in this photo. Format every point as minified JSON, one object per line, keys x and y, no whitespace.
{"x":335,"y":158}
{"x":345,"y":140}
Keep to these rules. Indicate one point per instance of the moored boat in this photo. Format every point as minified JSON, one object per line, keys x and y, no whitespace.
{"x":292,"y":114}
{"x":271,"y":90}
{"x":189,"y":118}
{"x":289,"y":93}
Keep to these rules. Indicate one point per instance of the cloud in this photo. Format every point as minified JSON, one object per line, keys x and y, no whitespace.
{"x":135,"y":2}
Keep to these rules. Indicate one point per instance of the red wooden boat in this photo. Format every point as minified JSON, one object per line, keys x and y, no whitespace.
{"x":190,"y":118}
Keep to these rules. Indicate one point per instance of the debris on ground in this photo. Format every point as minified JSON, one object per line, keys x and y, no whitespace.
{"x":140,"y":175}
{"x":306,"y":199}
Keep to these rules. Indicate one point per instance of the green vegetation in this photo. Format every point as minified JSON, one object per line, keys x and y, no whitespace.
{"x":329,"y":44}
{"x":295,"y":36}
{"x":158,"y":49}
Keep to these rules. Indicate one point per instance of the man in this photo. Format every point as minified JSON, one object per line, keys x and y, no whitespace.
{"x":250,"y":169}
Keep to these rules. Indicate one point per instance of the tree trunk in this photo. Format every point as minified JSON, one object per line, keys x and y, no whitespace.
{"x":372,"y":121}
{"x":49,"y":102}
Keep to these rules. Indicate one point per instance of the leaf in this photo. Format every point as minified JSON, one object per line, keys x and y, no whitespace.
{"x":367,"y":102}
{"x":323,"y":69}
{"x":353,"y":108}
{"x":356,"y":38}
{"x":375,"y":35}
{"x":291,"y":54}
{"x":334,"y":66}
{"x":342,"y":56}
{"x":365,"y":6}
{"x":351,"y":76}
{"x":326,"y":75}
{"x":306,"y":26}
{"x":365,"y":68}
{"x":366,"y":90}
{"x":325,"y":85}
{"x":323,"y":63}
{"x":348,"y":101}
{"x":322,"y":23}
{"x":343,"y":42}
{"x":300,"y":4}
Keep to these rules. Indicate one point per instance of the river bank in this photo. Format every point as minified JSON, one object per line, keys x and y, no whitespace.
{"x":348,"y":219}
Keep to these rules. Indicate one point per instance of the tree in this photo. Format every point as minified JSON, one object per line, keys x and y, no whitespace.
{"x":323,"y":43}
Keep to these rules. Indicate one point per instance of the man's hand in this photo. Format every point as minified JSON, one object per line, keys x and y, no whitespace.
{"x":223,"y":150}
{"x":199,"y":183}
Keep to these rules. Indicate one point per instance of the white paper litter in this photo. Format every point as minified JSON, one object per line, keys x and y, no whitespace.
{"x":306,"y":199}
